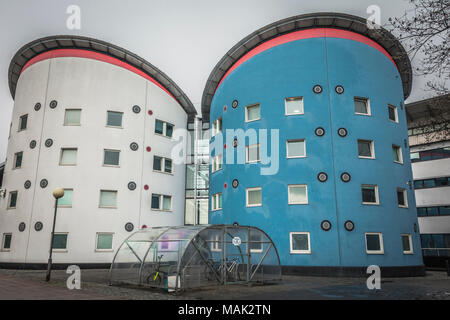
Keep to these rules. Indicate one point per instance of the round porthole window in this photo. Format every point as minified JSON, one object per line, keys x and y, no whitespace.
{"x":27,"y":184}
{"x":48,"y":143}
{"x":345,"y":177}
{"x":322,"y":177}
{"x":235,"y":142}
{"x":43,"y":183}
{"x":132,"y":185}
{"x":339,"y":89}
{"x":22,"y":226}
{"x":53,"y":104}
{"x":342,"y":132}
{"x":235,"y":104}
{"x":320,"y":132}
{"x":325,"y":225}
{"x":38,"y":226}
{"x":37,"y":107}
{"x":32,"y":144}
{"x":136,"y":109}
{"x":317,"y":89}
{"x":235,"y":183}
{"x":134,"y":146}
{"x":349,"y":225}
{"x":129,"y":227}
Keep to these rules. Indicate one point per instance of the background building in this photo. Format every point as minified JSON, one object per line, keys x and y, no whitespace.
{"x":342,"y":198}
{"x":100,"y":122}
{"x":429,"y":138}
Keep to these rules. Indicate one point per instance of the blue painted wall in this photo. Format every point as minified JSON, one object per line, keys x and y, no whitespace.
{"x":291,"y":70}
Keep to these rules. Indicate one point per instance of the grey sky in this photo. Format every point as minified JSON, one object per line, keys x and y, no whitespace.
{"x":183,"y":38}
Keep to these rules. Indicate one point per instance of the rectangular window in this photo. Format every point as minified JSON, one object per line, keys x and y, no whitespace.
{"x":216,"y":163}
{"x":407,"y":244}
{"x":161,"y":164}
{"x":216,"y":201}
{"x":217,"y":127}
{"x":68,"y":157}
{"x":362,"y":106}
{"x":111,"y":158}
{"x":252,"y":153}
{"x":157,"y":163}
{"x":108,"y":199}
{"x":254,"y":197}
{"x":392,"y":110}
{"x":296,"y":148}
{"x":293,"y":106}
{"x":164,"y":128}
{"x":402,"y":198}
{"x":255,"y":243}
{"x":300,"y":242}
{"x":18,"y":157}
{"x":366,"y":149}
{"x":114,"y":119}
{"x":374,"y":243}
{"x":169,"y":130}
{"x":159,"y":127}
{"x":167,"y":165}
{"x":252,"y":113}
{"x":369,"y":194}
{"x":72,"y":117}
{"x":60,"y":241}
{"x":66,"y":200}
{"x":23,"y":122}
{"x":6,"y":241}
{"x":397,"y":153}
{"x":12,"y":203}
{"x":298,"y":194}
{"x":161,"y":202}
{"x":104,"y":241}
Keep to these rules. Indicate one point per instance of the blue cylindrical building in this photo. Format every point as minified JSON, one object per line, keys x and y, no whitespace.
{"x":330,"y":92}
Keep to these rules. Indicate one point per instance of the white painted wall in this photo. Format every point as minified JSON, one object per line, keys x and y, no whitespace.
{"x":95,"y":87}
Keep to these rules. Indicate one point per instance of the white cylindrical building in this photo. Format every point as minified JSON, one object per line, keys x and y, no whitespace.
{"x":98,"y":121}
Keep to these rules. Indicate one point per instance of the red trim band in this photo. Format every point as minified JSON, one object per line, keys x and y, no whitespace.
{"x":306,"y":34}
{"x":80,"y":53}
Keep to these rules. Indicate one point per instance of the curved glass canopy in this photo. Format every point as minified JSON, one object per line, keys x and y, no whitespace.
{"x":178,"y":258}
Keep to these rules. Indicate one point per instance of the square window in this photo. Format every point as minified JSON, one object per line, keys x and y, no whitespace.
{"x":155,"y":201}
{"x":255,"y":241}
{"x":104,"y":241}
{"x":60,"y":241}
{"x":72,"y":117}
{"x":68,"y":157}
{"x":108,"y":199}
{"x":157,"y":163}
{"x":6,"y":242}
{"x":18,"y":157}
{"x":407,"y":244}
{"x":397,"y":153}
{"x":294,"y":106}
{"x":366,"y":149}
{"x":168,"y":165}
{"x":12,"y":203}
{"x":374,"y":243}
{"x":252,"y":113}
{"x":111,"y":158}
{"x":159,"y":127}
{"x":254,"y":197}
{"x":298,"y":194}
{"x":300,"y":242}
{"x":362,"y":106}
{"x":402,"y":198}
{"x":66,"y":200}
{"x":392,"y":110}
{"x":252,"y":153}
{"x":23,"y":122}
{"x":296,"y":148}
{"x":369,"y":194}
{"x":114,"y":119}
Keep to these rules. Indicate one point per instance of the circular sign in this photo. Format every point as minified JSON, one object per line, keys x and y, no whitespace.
{"x":349,"y":225}
{"x":53,"y":104}
{"x":48,"y":143}
{"x":320,"y":132}
{"x":134,"y":146}
{"x":339,"y":89}
{"x":236,"y":241}
{"x":33,"y":144}
{"x":132,"y":185}
{"x":38,"y":226}
{"x":136,"y":109}
{"x":235,"y":104}
{"x":345,"y":177}
{"x":27,"y":184}
{"x":322,"y":177}
{"x":22,"y":226}
{"x":43,"y":183}
{"x":37,"y":106}
{"x":129,"y":227}
{"x":325,"y":225}
{"x":317,"y":89}
{"x":342,"y":132}
{"x":235,"y":183}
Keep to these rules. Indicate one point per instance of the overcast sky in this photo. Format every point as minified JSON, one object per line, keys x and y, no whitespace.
{"x":183,"y":38}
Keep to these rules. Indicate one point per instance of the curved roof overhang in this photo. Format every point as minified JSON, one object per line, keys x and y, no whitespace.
{"x":70,"y":45}
{"x":347,"y":22}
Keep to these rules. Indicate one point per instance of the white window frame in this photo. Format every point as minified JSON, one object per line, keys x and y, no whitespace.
{"x":104,"y":157}
{"x":405,"y":197}
{"x":70,"y":164}
{"x":9,"y":199}
{"x":215,"y":201}
{"x":293,"y":99}
{"x":69,"y":124}
{"x":214,"y":129}
{"x":376,"y":195}
{"x":289,"y":193}
{"x":252,"y":106}
{"x":260,"y":243}
{"x":15,"y":160}
{"x":3,"y":242}
{"x":100,"y":199}
{"x":292,"y":251}
{"x":160,"y":202}
{"x":215,"y":243}
{"x":164,"y":133}
{"x":163,"y":165}
{"x":216,"y":163}
{"x":372,"y":149}
{"x":411,"y":249}
{"x":247,"y":153}
{"x":367,"y":100}
{"x":111,"y":126}
{"x":96,"y":242}
{"x":20,"y":122}
{"x":395,"y":112}
{"x":400,"y":153}
{"x":380,"y":236}
{"x":64,"y":205}
{"x":246,"y":197}
{"x":287,"y":148}
{"x":67,"y":243}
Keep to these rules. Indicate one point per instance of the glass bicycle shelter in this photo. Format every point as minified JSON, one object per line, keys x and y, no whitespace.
{"x":184,"y":257}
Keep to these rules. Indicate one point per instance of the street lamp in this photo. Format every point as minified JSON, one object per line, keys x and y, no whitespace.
{"x":57,"y":193}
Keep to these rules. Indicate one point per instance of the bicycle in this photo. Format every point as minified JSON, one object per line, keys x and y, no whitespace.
{"x":155,"y":276}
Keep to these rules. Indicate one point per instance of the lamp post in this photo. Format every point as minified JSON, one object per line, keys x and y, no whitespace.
{"x":57,"y":193}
